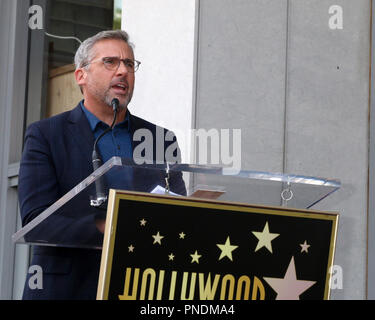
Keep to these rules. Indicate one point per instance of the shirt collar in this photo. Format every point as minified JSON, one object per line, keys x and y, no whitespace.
{"x":94,"y":121}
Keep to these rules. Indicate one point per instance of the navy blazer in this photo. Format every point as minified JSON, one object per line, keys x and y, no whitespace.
{"x":56,"y":157}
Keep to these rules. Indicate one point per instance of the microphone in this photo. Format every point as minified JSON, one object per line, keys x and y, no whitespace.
{"x":114,"y":105}
{"x":97,"y":161}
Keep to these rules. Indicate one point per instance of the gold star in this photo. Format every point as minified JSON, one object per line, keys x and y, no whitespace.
{"x":226,"y":249}
{"x":195,"y":257}
{"x":265,"y":238}
{"x":157,"y":238}
{"x":171,"y":256}
{"x":131,"y":248}
{"x":182,"y":235}
{"x":143,"y":222}
{"x":305,"y":247}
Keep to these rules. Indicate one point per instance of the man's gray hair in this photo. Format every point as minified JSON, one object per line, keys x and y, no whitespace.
{"x":85,"y":53}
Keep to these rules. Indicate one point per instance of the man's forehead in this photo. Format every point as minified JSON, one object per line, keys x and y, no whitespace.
{"x":112,"y":48}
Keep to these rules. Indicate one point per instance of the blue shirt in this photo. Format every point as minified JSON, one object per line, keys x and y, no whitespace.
{"x":116,"y":142}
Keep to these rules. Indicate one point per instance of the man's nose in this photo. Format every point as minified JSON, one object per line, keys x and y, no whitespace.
{"x":122,"y":68}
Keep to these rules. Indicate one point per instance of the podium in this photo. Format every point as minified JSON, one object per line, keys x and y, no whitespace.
{"x":180,"y":231}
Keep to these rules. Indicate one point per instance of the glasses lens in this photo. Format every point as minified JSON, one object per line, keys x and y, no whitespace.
{"x":111,"y":63}
{"x":130,"y":65}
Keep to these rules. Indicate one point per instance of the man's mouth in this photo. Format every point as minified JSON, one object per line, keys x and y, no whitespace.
{"x":120,"y":88}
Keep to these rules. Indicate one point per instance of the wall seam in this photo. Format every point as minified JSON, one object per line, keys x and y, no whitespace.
{"x":370,"y":168}
{"x":286,"y":79}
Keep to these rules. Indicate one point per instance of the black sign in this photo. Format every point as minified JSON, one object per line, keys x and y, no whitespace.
{"x":177,"y":248}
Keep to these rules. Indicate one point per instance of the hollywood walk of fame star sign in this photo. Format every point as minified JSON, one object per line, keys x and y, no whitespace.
{"x":205,"y":249}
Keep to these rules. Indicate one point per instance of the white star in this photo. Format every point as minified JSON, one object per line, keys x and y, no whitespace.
{"x":195,"y":257}
{"x":265,"y":238}
{"x":226,"y":249}
{"x":171,"y":256}
{"x":157,"y":238}
{"x":131,"y":248}
{"x":143,"y":222}
{"x":289,"y":288}
{"x":182,"y":235}
{"x":305,"y":247}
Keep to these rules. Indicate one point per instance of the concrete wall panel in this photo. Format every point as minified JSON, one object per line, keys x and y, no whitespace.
{"x":327,"y":119}
{"x":240,"y":79}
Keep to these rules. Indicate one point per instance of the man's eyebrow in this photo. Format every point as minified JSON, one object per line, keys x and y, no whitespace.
{"x":117,"y":57}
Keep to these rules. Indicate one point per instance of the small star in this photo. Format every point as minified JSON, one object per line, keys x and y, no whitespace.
{"x":305,"y":247}
{"x":289,"y":288}
{"x":182,"y":235}
{"x":265,"y":238}
{"x":157,"y":238}
{"x":143,"y":222}
{"x":195,"y":257}
{"x":171,"y":256}
{"x":131,"y":248}
{"x":226,"y":249}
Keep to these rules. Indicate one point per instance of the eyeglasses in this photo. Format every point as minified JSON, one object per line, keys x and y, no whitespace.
{"x":113,"y":63}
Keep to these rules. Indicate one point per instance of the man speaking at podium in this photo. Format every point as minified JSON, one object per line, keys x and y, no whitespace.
{"x":57,"y":156}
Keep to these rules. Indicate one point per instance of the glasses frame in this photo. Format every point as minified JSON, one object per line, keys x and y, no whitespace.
{"x":136,"y":63}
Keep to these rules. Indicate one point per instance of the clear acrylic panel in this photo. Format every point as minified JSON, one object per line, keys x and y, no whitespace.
{"x":71,"y":221}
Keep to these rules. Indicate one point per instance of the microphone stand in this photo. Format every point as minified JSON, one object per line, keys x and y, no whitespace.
{"x":101,"y":197}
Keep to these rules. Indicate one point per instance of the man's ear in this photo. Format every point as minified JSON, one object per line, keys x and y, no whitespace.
{"x":80,"y":75}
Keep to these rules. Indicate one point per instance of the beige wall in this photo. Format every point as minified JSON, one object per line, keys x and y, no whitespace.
{"x":63,"y":92}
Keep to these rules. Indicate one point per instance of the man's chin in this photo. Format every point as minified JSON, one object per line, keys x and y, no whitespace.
{"x":123,"y":104}
{"x":123,"y":101}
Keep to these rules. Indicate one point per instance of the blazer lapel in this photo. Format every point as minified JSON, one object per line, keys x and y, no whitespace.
{"x":134,"y":126}
{"x":80,"y":131}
